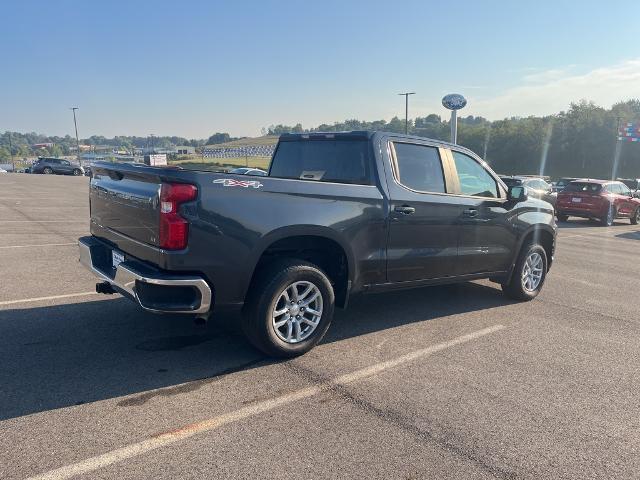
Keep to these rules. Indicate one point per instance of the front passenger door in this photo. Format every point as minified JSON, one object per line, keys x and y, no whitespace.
{"x":627,"y":205}
{"x":487,"y":237}
{"x":65,"y":166}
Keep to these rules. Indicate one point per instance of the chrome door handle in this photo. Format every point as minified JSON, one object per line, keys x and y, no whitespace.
{"x":404,"y":209}
{"x":471,"y":212}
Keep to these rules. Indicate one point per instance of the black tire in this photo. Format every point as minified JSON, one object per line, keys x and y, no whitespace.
{"x":265,"y":292}
{"x":77,"y":172}
{"x":562,"y":218}
{"x":47,"y":171}
{"x":609,"y":217}
{"x":515,"y":288}
{"x":635,"y":218}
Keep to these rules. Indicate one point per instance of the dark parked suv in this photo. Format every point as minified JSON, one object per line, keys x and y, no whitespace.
{"x":338,"y":214}
{"x":59,"y":166}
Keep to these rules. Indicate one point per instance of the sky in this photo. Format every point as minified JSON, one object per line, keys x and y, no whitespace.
{"x":193,"y":68}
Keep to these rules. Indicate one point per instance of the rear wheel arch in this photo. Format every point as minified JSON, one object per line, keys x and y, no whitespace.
{"x":330,"y":254}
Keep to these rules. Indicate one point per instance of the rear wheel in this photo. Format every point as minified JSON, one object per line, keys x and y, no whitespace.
{"x":562,"y":218}
{"x":607,"y":220}
{"x":529,"y":273}
{"x":635,"y":218}
{"x":47,"y":171}
{"x":289,"y":308}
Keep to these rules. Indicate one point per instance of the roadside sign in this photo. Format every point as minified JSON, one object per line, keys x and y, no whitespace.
{"x":629,"y":132}
{"x":156,"y":160}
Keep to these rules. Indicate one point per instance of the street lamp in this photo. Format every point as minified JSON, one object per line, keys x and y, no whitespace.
{"x":75,"y":124}
{"x":406,"y":110}
{"x":454,"y":102}
{"x":13,"y":164}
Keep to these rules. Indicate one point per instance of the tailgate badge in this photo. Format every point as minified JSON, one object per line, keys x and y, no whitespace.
{"x":230,"y":182}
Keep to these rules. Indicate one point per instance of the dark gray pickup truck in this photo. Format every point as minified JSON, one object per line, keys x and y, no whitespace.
{"x":337,"y":214}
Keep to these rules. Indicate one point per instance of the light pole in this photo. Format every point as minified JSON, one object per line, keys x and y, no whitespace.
{"x":13,"y":165}
{"x":454,"y":102}
{"x":75,"y":124}
{"x":406,"y":110}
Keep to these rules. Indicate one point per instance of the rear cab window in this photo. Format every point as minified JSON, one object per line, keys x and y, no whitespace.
{"x":324,"y":160}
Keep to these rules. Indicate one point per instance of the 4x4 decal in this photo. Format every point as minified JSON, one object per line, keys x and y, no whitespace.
{"x":230,"y":182}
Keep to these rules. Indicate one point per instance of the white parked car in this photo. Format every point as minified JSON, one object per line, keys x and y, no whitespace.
{"x":248,"y":171}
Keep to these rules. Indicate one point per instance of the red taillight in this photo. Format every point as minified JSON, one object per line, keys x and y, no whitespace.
{"x":174,"y":230}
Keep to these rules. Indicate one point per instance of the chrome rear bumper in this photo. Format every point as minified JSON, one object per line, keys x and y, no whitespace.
{"x":134,"y":282}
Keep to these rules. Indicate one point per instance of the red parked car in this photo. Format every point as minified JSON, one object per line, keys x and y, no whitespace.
{"x":601,"y":200}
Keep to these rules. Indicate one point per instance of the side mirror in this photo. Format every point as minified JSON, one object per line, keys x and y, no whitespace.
{"x":517,"y":193}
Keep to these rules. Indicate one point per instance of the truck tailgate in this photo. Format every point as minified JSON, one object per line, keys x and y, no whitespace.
{"x":126,"y":202}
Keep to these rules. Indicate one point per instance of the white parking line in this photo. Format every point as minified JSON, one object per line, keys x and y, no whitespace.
{"x":40,"y":245}
{"x":44,"y":221}
{"x":38,"y":299}
{"x":182,"y":433}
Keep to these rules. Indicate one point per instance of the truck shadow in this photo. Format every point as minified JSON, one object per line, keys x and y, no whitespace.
{"x":629,"y":235}
{"x":58,"y":356}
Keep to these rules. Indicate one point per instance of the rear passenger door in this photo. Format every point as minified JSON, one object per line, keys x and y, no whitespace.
{"x":55,"y":165}
{"x":423,"y":233}
{"x":486,"y":224}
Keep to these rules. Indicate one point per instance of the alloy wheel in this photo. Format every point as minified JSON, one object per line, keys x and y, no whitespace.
{"x":532,"y":272}
{"x":297,"y":312}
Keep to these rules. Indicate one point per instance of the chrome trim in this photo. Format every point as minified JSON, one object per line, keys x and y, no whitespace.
{"x":125,"y":279}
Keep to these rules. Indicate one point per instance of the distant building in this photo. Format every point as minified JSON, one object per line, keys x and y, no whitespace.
{"x":185,"y":150}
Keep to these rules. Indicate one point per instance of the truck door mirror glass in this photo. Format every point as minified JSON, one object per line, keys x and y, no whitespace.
{"x":517,"y":193}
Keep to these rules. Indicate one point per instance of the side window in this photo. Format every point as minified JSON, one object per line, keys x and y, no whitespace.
{"x":65,"y":162}
{"x":624,"y":190}
{"x":474,"y":179}
{"x":419,"y":167}
{"x":613,"y":188}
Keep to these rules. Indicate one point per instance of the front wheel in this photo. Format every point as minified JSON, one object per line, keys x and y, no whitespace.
{"x":289,"y":308}
{"x":528,"y":274}
{"x":562,"y":218}
{"x":47,"y":171}
{"x":77,"y":172}
{"x":635,"y":218}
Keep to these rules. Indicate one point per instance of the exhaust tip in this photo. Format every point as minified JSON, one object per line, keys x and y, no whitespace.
{"x":104,"y":287}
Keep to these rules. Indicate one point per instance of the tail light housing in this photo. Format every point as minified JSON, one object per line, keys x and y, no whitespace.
{"x":174,"y":230}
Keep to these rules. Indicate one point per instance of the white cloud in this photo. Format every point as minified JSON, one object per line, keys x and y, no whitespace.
{"x":551,"y":91}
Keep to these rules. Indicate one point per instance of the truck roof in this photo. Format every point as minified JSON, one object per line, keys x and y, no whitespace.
{"x":357,"y":134}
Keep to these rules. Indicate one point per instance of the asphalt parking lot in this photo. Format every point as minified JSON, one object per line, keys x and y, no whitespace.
{"x":444,"y":382}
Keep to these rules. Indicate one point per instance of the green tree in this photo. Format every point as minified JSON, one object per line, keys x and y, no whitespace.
{"x":5,"y":155}
{"x":218,"y":138}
